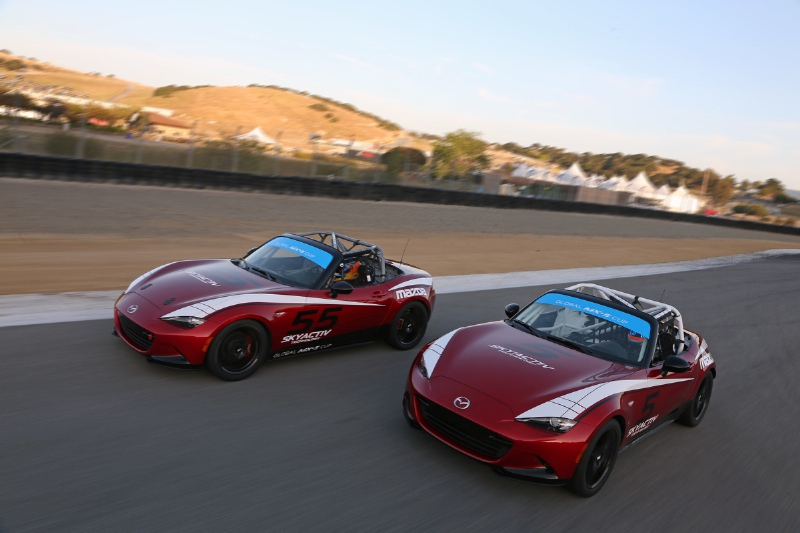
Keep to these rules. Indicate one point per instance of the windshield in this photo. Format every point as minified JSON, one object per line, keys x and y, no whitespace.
{"x":290,"y":262}
{"x":605,"y":332}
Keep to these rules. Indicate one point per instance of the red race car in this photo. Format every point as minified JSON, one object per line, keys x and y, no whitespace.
{"x":293,"y":295}
{"x":556,"y":391}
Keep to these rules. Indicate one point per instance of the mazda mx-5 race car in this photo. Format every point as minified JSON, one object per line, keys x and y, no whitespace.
{"x":556,"y":391}
{"x":293,"y":295}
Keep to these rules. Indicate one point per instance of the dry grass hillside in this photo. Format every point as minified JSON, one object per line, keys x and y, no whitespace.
{"x":221,"y":111}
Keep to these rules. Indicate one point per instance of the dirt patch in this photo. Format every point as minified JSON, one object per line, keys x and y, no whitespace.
{"x":58,"y":263}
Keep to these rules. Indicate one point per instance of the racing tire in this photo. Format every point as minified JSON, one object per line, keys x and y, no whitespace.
{"x":696,"y":410}
{"x":238,"y":350}
{"x":408,"y":327}
{"x":595,"y":466}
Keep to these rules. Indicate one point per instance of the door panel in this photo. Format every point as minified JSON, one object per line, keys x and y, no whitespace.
{"x":346,"y":314}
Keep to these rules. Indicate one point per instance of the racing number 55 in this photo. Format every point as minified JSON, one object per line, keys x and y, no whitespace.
{"x":305,"y":319}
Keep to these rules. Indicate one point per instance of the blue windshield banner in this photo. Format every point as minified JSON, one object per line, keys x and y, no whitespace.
{"x":312,"y":253}
{"x":631,"y":322}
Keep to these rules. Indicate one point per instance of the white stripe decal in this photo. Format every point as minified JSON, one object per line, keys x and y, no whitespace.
{"x":418,"y":281}
{"x":147,"y":275}
{"x":203,"y":309}
{"x":434,"y":351}
{"x":575,"y":403}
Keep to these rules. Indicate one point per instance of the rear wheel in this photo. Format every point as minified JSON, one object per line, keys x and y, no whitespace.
{"x":408,"y":326}
{"x":597,"y":462}
{"x":237,"y":351}
{"x":697,"y":409}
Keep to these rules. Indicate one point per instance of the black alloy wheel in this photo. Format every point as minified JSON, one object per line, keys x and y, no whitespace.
{"x":595,"y":466}
{"x":600,"y":461}
{"x":237,"y":351}
{"x":408,"y":326}
{"x":695,"y":412}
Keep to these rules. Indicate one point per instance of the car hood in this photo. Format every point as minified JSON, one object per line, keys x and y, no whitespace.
{"x":181,"y":284}
{"x":517,"y":368}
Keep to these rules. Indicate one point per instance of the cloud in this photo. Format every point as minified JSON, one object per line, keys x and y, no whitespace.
{"x":629,"y":85}
{"x":369,"y":66}
{"x":486,"y":69}
{"x":483,"y":94}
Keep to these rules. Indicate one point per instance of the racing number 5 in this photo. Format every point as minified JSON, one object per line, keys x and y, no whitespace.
{"x":328,"y":315}
{"x":301,"y":319}
{"x":648,"y":407}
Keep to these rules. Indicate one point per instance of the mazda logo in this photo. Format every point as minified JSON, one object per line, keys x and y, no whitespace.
{"x":461,"y":402}
{"x":133,"y":308}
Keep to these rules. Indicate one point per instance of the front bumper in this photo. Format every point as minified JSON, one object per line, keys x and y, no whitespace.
{"x":532,"y":454}
{"x":163,"y":343}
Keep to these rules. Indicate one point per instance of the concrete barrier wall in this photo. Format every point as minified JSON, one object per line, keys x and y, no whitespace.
{"x":56,"y":168}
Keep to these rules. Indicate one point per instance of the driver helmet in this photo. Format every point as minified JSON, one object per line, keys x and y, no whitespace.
{"x":350,"y":271}
{"x":635,"y":340}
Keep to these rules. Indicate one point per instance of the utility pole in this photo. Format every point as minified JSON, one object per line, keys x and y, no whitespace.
{"x":190,"y":158}
{"x":705,"y":183}
{"x":79,"y":148}
{"x":235,"y":147}
{"x":277,"y":162}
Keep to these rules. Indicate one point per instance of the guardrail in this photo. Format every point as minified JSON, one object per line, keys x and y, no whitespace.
{"x":85,"y":170}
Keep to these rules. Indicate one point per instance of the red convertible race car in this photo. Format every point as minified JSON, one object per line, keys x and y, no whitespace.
{"x":556,"y":391}
{"x":293,"y":295}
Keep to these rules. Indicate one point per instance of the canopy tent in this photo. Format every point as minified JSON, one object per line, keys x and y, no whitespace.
{"x":256,"y":135}
{"x":662,"y":192}
{"x":682,"y":201}
{"x":617,"y":183}
{"x":574,"y":175}
{"x":641,"y":186}
{"x":524,"y":171}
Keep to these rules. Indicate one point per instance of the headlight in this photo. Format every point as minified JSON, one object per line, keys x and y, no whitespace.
{"x":184,"y":321}
{"x":421,"y":367}
{"x":559,"y":425}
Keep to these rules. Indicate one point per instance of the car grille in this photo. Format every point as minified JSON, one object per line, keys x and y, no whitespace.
{"x":135,"y":333}
{"x":465,"y":432}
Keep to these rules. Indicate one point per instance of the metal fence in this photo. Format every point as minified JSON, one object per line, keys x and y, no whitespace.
{"x":81,"y":143}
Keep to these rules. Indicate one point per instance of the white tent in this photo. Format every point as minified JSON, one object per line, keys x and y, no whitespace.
{"x":641,"y":186}
{"x":682,"y":201}
{"x":662,"y":192}
{"x":574,"y":175}
{"x":617,"y":183}
{"x":524,"y":171}
{"x":256,"y":135}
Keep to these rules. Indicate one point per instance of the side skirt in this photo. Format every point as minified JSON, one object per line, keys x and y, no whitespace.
{"x":342,"y":341}
{"x":669,"y":419}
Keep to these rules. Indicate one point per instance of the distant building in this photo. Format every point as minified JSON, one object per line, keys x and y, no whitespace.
{"x":167,"y":127}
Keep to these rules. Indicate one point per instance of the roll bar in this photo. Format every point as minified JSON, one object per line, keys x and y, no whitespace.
{"x":656,"y":309}
{"x":348,"y":246}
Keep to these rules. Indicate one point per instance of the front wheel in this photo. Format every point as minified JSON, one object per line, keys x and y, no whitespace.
{"x":694,"y":414}
{"x":408,"y":326}
{"x":237,"y":351}
{"x":597,"y":462}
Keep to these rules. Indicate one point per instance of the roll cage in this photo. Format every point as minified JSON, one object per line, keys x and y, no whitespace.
{"x":349,"y":247}
{"x":665,"y":314}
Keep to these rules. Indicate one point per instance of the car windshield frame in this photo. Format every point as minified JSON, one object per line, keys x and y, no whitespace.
{"x":600,"y":315}
{"x":311,"y":253}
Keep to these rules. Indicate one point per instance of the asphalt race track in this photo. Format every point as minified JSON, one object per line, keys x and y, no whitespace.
{"x":94,"y":439}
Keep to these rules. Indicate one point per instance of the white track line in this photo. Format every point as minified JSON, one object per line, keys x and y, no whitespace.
{"x":29,"y":309}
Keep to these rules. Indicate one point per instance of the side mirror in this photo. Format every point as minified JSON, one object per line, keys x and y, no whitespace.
{"x":340,"y":287}
{"x":251,"y":250}
{"x":674,"y":364}
{"x":512,"y":309}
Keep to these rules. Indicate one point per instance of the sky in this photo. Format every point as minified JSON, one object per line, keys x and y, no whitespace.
{"x":711,"y":83}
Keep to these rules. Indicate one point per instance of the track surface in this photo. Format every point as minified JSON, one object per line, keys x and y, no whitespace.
{"x":94,"y":439}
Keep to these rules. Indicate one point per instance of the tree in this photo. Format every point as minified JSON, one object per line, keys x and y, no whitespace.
{"x":397,"y":159}
{"x":721,"y":190}
{"x":771,"y":187}
{"x":460,"y":153}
